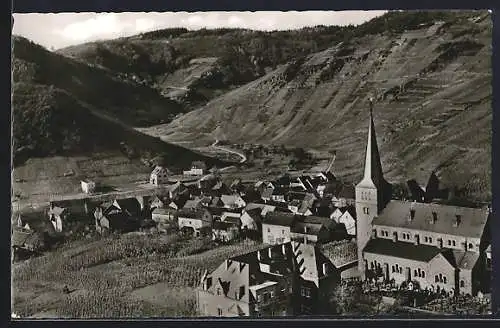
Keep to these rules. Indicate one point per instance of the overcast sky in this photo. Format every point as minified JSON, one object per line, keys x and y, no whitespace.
{"x":64,"y":29}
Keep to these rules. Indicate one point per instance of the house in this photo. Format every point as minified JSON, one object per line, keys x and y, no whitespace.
{"x":88,"y":186}
{"x":231,"y":216}
{"x":130,"y":206}
{"x":216,"y":202}
{"x":323,"y":207}
{"x":158,"y":202}
{"x":195,"y":221}
{"x":159,"y":176}
{"x":178,"y":202}
{"x":163,"y":217}
{"x":192,"y":204}
{"x":260,"y":186}
{"x":344,"y":256}
{"x":110,"y":217}
{"x":294,"y":205}
{"x":58,"y":216}
{"x":348,"y":219}
{"x":232,"y":201}
{"x":433,"y":246}
{"x":286,"y":279}
{"x":264,"y":208}
{"x":344,"y":196}
{"x":278,"y":195}
{"x":276,"y":227}
{"x":267,"y":194}
{"x":251,"y":219}
{"x":197,"y":168}
{"x":336,"y":214}
{"x":313,"y":229}
{"x":224,"y":231}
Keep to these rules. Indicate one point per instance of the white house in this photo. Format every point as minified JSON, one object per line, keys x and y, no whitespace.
{"x":159,"y":176}
{"x":88,"y":186}
{"x":348,"y":218}
{"x":197,"y":168}
{"x":336,"y":215}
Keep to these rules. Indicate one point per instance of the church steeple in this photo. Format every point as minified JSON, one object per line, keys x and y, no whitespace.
{"x":373,"y":175}
{"x":372,"y":194}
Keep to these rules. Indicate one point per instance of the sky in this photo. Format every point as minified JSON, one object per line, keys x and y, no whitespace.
{"x":55,"y":31}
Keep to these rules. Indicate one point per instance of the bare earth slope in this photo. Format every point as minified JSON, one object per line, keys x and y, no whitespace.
{"x":433,"y":108}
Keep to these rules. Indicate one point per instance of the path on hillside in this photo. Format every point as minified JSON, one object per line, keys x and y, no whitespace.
{"x":243,"y":157}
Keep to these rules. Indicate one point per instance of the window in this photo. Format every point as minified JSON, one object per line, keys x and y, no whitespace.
{"x":423,"y":274}
{"x":305,"y":292}
{"x":219,"y":312}
{"x":453,"y":242}
{"x":218,"y":291}
{"x":366,"y":210}
{"x":449,"y":242}
{"x":416,"y":273}
{"x":462,"y":283}
{"x":400,"y":270}
{"x":436,"y":278}
{"x":470,"y":246}
{"x":268,"y":229}
{"x":282,"y":232}
{"x":444,"y":280}
{"x":430,"y":240}
{"x":393,"y":269}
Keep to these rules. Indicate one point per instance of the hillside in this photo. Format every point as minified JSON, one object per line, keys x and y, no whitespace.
{"x":432,"y":84}
{"x":61,"y":107}
{"x":194,"y":67}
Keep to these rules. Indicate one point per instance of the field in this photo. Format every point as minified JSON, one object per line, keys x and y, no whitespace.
{"x":132,"y":275}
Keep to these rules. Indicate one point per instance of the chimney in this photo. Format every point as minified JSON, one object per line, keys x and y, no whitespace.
{"x":270,"y":252}
{"x":325,"y":269}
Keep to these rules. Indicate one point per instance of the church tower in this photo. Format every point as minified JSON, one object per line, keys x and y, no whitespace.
{"x":372,"y":193}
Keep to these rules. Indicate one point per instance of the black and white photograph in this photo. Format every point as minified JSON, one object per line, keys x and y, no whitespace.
{"x":265,"y":164}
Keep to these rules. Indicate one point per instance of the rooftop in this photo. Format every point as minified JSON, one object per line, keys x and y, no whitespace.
{"x":472,"y":220}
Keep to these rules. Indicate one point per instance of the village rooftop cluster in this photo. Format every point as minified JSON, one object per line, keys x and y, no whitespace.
{"x":317,"y":232}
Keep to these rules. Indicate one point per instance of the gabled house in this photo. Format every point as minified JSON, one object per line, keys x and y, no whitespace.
{"x":178,"y":203}
{"x":279,"y":195}
{"x":344,"y":196}
{"x":58,"y":216}
{"x":130,"y":206}
{"x":158,"y":202}
{"x":159,"y":176}
{"x":285,"y":279}
{"x":232,"y":201}
{"x":231,"y":216}
{"x":267,"y":194}
{"x":88,"y":186}
{"x":336,"y":214}
{"x":348,"y":219}
{"x":195,"y":221}
{"x":344,"y":256}
{"x":119,"y":216}
{"x":251,"y":219}
{"x":313,"y":229}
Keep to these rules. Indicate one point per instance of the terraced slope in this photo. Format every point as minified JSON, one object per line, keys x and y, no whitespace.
{"x":433,"y":110}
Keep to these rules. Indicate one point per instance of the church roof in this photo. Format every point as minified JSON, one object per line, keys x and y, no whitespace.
{"x":410,"y":251}
{"x":396,"y":214}
{"x":373,"y":175}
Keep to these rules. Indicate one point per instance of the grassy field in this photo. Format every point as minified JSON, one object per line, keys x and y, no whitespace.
{"x":133,"y":275}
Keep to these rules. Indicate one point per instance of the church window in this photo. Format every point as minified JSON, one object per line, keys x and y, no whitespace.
{"x":436,"y":278}
{"x":462,"y":283}
{"x":470,"y":246}
{"x":430,"y":240}
{"x":423,"y":274}
{"x":449,"y":242}
{"x":366,"y":210}
{"x":454,"y":243}
{"x":444,"y":280}
{"x":416,"y":273}
{"x":393,"y":269}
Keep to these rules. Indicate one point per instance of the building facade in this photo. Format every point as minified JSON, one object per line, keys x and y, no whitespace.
{"x":433,"y":246}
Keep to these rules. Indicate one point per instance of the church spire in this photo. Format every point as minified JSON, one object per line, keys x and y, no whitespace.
{"x":373,"y":175}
